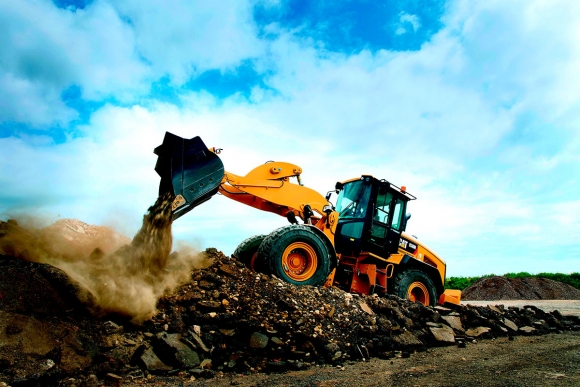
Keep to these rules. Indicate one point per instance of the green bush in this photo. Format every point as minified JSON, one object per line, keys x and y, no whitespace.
{"x":463,"y":282}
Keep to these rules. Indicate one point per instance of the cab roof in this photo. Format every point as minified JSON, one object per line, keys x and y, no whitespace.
{"x":402,"y":190}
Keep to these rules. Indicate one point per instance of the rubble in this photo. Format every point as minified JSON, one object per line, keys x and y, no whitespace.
{"x":266,"y":325}
{"x":224,"y":319}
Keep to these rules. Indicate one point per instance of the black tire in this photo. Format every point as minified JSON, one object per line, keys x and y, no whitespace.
{"x":414,"y":285}
{"x":246,"y":250}
{"x":300,"y":245}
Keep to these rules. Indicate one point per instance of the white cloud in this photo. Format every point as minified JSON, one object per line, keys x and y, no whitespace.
{"x":111,"y":49}
{"x":405,"y":19}
{"x":443,"y":121}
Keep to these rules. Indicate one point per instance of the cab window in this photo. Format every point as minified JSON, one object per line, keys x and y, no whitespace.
{"x":398,"y":215}
{"x":383,"y":207}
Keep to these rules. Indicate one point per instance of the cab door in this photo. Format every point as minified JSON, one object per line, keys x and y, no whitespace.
{"x":387,"y":222}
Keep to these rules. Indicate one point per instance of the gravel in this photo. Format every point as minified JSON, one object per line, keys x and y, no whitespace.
{"x":502,"y":288}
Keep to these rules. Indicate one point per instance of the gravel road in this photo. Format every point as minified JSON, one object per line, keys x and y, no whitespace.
{"x":566,"y":307}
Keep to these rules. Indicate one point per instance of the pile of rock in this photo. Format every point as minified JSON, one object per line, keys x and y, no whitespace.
{"x":502,"y":288}
{"x":231,"y":319}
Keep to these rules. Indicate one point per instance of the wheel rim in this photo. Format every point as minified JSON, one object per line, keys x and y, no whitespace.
{"x":253,"y":261}
{"x":299,"y":261}
{"x":418,"y":293}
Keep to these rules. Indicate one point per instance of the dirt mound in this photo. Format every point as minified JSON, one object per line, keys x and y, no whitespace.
{"x":73,"y":237}
{"x":100,"y":319}
{"x":502,"y":288}
{"x":66,"y":239}
{"x":226,"y":318}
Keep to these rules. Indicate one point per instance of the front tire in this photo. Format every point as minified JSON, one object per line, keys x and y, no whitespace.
{"x":247,"y":251}
{"x":296,"y":255}
{"x":416,"y":286}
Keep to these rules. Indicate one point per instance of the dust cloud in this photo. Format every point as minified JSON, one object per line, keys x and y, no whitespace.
{"x":129,"y":280}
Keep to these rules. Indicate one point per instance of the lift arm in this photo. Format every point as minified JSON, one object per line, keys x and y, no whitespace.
{"x":194,"y":173}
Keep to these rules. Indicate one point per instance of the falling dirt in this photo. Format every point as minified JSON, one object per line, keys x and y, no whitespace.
{"x":128,"y":281}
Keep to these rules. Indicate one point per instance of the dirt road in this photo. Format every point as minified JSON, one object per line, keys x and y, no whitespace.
{"x":550,"y":360}
{"x":566,"y":307}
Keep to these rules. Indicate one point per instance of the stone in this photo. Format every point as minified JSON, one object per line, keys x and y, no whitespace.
{"x":331,"y":312}
{"x":527,"y":330}
{"x":277,"y":341}
{"x":454,"y":322}
{"x":114,"y":378}
{"x":152,"y":363}
{"x":209,"y":305}
{"x":407,"y":339}
{"x":229,"y":270}
{"x":171,"y":350}
{"x":476,"y":332}
{"x":510,"y":325}
{"x":206,"y":285}
{"x":495,"y":309}
{"x":111,"y":327}
{"x":443,"y":334}
{"x":197,"y":340}
{"x":366,"y":308}
{"x":258,"y":340}
{"x":442,"y":310}
{"x":332,"y":348}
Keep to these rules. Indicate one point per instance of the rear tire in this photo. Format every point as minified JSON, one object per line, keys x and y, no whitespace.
{"x":247,"y":251}
{"x":296,"y":255}
{"x":416,"y":286}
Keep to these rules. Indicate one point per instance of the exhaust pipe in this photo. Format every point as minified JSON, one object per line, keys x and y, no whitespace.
{"x":189,"y":171}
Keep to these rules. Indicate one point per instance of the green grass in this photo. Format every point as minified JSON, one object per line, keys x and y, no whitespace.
{"x":464,"y":282}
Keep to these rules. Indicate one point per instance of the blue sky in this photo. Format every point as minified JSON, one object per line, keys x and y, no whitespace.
{"x":474,"y":106}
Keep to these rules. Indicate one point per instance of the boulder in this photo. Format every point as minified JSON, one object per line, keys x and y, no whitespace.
{"x":172,"y":351}
{"x":152,"y":363}
{"x":443,"y":335}
{"x":510,"y":325}
{"x":476,"y":332}
{"x":258,"y":340}
{"x":454,"y":322}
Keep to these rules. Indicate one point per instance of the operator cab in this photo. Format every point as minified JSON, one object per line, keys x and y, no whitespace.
{"x":372,"y":216}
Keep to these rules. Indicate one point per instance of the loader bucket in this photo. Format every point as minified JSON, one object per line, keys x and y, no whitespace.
{"x":188,"y":170}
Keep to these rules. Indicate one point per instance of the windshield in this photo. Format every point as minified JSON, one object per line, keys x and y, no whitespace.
{"x":352,"y":201}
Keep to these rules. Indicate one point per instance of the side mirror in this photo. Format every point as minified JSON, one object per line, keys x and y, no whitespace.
{"x":407,"y":217}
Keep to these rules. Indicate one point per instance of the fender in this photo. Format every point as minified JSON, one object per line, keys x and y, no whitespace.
{"x":431,"y":271}
{"x":327,"y":241}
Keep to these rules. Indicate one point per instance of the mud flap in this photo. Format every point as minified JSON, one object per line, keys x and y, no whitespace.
{"x":188,"y":170}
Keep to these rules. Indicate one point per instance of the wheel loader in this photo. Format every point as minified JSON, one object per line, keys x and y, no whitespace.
{"x":358,"y":244}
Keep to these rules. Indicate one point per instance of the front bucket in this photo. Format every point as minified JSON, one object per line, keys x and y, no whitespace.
{"x":188,"y":170}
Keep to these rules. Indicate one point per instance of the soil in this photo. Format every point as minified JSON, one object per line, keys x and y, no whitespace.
{"x":502,"y":288}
